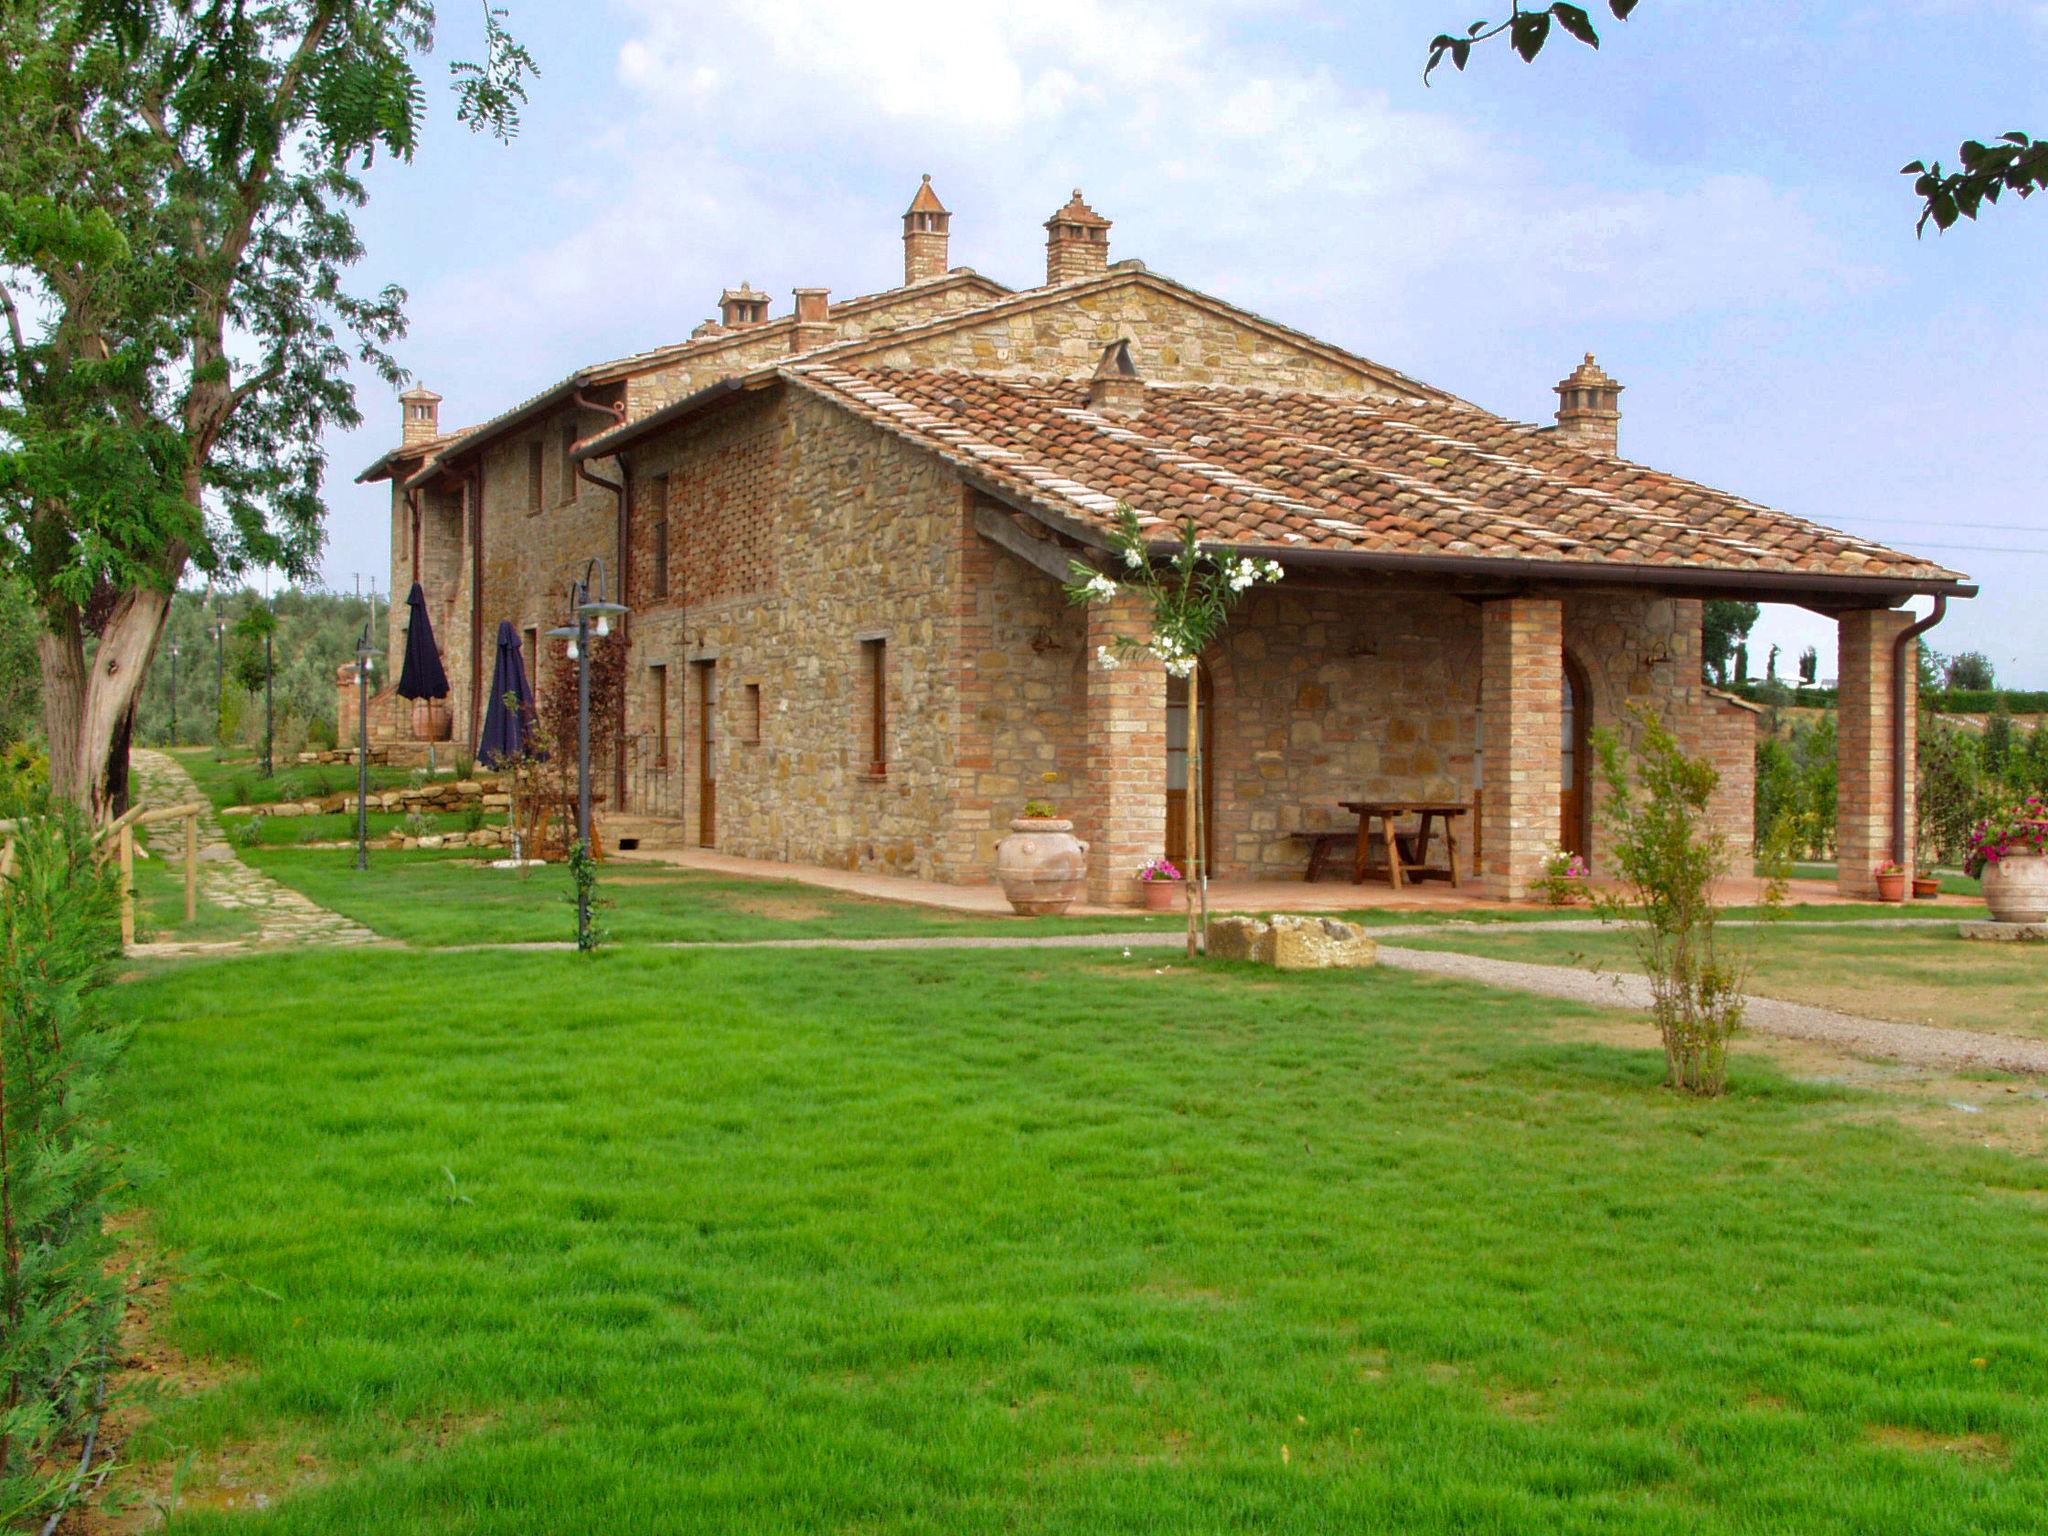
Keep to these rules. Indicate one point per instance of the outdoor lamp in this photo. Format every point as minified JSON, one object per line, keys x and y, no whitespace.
{"x":593,"y":611}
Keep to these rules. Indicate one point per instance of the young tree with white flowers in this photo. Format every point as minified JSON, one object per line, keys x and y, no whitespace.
{"x":1191,"y":590}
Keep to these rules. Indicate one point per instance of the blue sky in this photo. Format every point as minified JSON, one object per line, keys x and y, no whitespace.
{"x":1710,"y":204}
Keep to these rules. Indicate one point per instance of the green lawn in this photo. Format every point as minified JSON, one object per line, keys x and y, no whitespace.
{"x":986,"y":1242}
{"x":1910,"y":973}
{"x":160,"y":906}
{"x":434,"y":898}
{"x":336,"y":826}
{"x":1952,"y":883}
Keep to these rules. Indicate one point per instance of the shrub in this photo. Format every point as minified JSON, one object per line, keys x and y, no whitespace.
{"x":59,"y":1298}
{"x":320,"y":734}
{"x":1668,"y":860}
{"x":1563,"y":880}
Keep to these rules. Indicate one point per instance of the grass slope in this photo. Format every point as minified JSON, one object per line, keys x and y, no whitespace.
{"x":1045,"y":1243}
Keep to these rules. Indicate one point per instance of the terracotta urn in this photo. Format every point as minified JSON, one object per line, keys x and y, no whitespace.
{"x":431,"y":720}
{"x":1161,"y":895}
{"x":1042,"y":866}
{"x":2016,"y":888}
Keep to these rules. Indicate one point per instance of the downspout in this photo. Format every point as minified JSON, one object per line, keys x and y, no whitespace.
{"x":1900,"y":767}
{"x":473,"y":491}
{"x":620,"y":550}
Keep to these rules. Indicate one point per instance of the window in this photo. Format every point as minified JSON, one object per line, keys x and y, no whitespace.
{"x":750,"y":719}
{"x":535,"y":457}
{"x":660,"y":716}
{"x":874,"y":661}
{"x":533,"y":661}
{"x":660,"y":498}
{"x":565,"y":476}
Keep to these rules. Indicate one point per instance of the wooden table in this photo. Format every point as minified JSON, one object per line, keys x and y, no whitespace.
{"x":1406,"y":853}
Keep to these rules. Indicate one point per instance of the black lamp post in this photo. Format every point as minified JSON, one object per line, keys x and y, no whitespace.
{"x":269,"y":714}
{"x":219,"y":630}
{"x":594,"y":611}
{"x":365,"y":660}
{"x":174,"y":693}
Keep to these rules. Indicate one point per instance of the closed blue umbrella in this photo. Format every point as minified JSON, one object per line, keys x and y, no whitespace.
{"x":507,"y":727}
{"x":422,"y":676}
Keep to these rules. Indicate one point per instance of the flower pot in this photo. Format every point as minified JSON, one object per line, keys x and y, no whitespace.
{"x":2016,"y":888}
{"x":1926,"y":887}
{"x":1042,"y":866}
{"x":431,"y":720}
{"x":1891,"y":887}
{"x":1161,"y":895}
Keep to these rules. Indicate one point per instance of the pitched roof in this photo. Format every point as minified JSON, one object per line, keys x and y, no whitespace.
{"x":1123,"y":275}
{"x":1380,"y":481}
{"x":693,"y":349}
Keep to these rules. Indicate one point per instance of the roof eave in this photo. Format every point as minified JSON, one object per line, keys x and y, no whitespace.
{"x":620,"y":438}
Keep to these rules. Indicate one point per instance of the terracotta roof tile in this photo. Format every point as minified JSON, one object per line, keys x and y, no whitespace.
{"x":1334,"y":473}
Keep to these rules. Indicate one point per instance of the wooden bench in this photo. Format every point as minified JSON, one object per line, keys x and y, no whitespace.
{"x":1323,"y":847}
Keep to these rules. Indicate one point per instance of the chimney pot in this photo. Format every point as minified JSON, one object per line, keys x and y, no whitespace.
{"x":1589,"y":408}
{"x":926,"y":234}
{"x":813,"y":327}
{"x":742,"y":306}
{"x":1116,"y":389}
{"x":1076,"y":243}
{"x":421,"y":411}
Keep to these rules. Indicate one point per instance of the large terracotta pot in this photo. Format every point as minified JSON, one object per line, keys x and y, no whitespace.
{"x":1891,"y":887}
{"x":2016,"y":888}
{"x":1042,"y":866}
{"x":1161,"y":895}
{"x":431,"y":720}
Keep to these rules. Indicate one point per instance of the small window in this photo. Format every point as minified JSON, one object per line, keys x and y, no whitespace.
{"x":533,"y":661}
{"x":874,"y":660}
{"x":566,"y":475}
{"x":660,"y":499}
{"x":660,"y":716}
{"x":535,"y":467}
{"x":750,"y":719}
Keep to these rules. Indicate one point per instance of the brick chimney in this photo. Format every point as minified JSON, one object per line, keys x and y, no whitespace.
{"x":421,"y":411}
{"x":1076,"y":243}
{"x":741,"y":307}
{"x":1589,"y":408}
{"x":1116,"y":388}
{"x":925,"y":233}
{"x":813,"y":329}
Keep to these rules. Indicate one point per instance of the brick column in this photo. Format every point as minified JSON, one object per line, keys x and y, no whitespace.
{"x":1521,"y":688}
{"x":1125,"y":822}
{"x":1863,"y":803}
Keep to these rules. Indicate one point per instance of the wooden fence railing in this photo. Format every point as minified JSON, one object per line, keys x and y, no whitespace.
{"x":116,"y":839}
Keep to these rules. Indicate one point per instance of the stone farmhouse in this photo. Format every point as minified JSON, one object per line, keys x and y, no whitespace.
{"x":842,"y":533}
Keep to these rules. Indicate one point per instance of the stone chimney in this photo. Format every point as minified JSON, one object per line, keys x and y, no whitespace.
{"x":741,"y":307}
{"x":1076,"y":243}
{"x":1116,"y":388}
{"x":421,"y":409}
{"x":925,"y":233}
{"x":1589,"y":408}
{"x":813,"y":329}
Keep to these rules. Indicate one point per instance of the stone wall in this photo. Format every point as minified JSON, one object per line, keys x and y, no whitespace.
{"x":868,"y":536}
{"x":1174,"y":340}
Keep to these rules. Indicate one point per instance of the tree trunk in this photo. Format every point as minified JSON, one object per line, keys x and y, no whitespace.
{"x":84,"y":710}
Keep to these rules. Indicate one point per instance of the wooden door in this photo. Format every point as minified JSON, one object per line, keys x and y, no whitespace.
{"x":1574,"y":833}
{"x":707,"y":754}
{"x":1177,"y":770}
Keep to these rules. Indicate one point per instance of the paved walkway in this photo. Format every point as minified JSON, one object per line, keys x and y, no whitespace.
{"x":1916,"y":1043}
{"x":282,"y":915}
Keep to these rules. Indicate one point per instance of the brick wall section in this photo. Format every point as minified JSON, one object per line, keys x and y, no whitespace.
{"x":1863,"y":828}
{"x":1521,"y":681}
{"x":1644,"y":652}
{"x":1126,"y":757}
{"x":1021,"y":733}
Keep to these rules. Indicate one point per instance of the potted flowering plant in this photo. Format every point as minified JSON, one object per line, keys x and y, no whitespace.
{"x":1564,"y":877}
{"x":1041,"y":866}
{"x":1891,"y":881}
{"x":2008,"y":851}
{"x":1160,"y":879}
